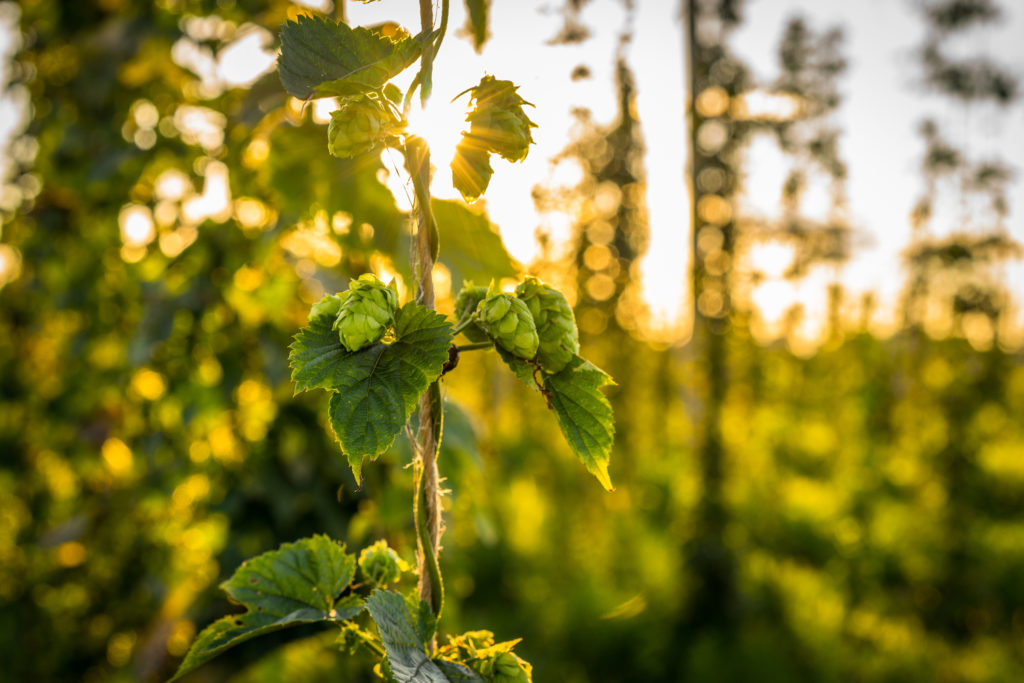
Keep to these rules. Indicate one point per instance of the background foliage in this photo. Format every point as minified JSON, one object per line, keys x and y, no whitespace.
{"x":868,"y":516}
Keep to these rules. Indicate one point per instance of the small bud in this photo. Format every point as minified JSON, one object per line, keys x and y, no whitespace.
{"x":508,"y":322}
{"x":556,"y":326}
{"x":380,"y":564}
{"x":366,"y":313}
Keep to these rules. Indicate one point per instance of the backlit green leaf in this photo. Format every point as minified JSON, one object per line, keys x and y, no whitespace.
{"x":458,"y":673}
{"x":473,"y":249}
{"x":298,"y":583}
{"x":519,"y":367}
{"x":378,"y":387}
{"x":584,"y":414}
{"x":316,"y":355}
{"x":321,"y":57}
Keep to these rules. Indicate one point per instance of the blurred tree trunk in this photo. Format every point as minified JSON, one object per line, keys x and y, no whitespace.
{"x":707,"y":555}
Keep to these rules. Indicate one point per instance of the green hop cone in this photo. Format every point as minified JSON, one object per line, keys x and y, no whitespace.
{"x":509,"y":668}
{"x":556,"y":326}
{"x":498,"y":120}
{"x":380,"y":564}
{"x":328,"y":306}
{"x":366,"y":313}
{"x":508,"y":322}
{"x":468,"y":299}
{"x":359,"y":126}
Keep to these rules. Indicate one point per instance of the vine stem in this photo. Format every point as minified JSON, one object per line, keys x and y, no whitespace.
{"x":427,"y":500}
{"x":475,"y":347}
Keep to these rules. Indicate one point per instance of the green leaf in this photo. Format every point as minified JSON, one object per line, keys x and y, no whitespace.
{"x":476,"y":21}
{"x":316,"y":355}
{"x":378,"y":387}
{"x":458,"y":673}
{"x":584,"y":414}
{"x":321,"y":57}
{"x":296,"y":584}
{"x":471,"y":168}
{"x":403,"y":637}
{"x":519,"y":367}
{"x":473,"y":249}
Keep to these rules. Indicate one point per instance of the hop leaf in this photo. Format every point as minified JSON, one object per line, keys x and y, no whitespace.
{"x":471,"y":168}
{"x":508,"y":322}
{"x":556,"y":327}
{"x":359,"y":126}
{"x":299,"y":583}
{"x":366,"y":313}
{"x":584,"y":414}
{"x":321,"y":57}
{"x":403,"y":636}
{"x":380,"y":564}
{"x":376,"y":388}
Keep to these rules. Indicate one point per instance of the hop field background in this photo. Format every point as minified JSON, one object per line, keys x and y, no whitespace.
{"x":844,"y":506}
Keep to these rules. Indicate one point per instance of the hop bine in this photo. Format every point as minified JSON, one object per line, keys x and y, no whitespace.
{"x":508,"y":322}
{"x":556,"y":326}
{"x":367,"y":312}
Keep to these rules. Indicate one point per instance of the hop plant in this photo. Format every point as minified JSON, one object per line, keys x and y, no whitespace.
{"x":508,"y":322}
{"x":359,"y":126}
{"x":556,"y":326}
{"x":366,"y":313}
{"x":498,"y":120}
{"x":328,"y":306}
{"x":466,"y":302}
{"x":380,"y":564}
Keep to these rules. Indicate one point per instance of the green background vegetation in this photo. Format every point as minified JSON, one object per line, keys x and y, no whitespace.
{"x":862,"y":519}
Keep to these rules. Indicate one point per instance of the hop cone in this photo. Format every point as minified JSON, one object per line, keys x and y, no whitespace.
{"x":466,"y":302}
{"x":498,"y":121}
{"x":508,"y":322}
{"x":366,"y":313}
{"x":359,"y":126}
{"x":556,"y":327}
{"x":380,"y":564}
{"x":329,"y":306}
